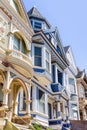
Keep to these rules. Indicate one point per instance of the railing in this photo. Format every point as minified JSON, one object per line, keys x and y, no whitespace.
{"x":19,"y":55}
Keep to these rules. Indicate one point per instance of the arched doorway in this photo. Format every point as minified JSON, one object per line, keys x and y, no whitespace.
{"x":17,"y":98}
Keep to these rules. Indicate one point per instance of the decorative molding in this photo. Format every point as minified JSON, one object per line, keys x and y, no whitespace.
{"x":6,"y":91}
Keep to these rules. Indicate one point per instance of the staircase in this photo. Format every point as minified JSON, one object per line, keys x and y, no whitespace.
{"x":78,"y":125}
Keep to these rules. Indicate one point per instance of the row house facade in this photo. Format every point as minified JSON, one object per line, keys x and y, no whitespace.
{"x":16,"y":69}
{"x":82,"y":94}
{"x":39,"y":81}
{"x":55,"y":70}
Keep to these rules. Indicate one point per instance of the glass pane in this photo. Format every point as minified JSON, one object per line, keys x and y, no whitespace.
{"x":41,"y":96}
{"x":37,"y":51}
{"x":16,"y":44}
{"x":37,"y":25}
{"x":38,"y":61}
{"x":23,"y":47}
{"x":41,"y":101}
{"x":71,"y":81}
{"x":41,"y":107}
{"x":47,"y":55}
{"x":47,"y":65}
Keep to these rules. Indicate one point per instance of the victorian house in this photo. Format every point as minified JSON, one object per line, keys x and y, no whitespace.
{"x":16,"y":70}
{"x":49,"y":96}
{"x":37,"y":74}
{"x":71,"y":85}
{"x":82,"y":93}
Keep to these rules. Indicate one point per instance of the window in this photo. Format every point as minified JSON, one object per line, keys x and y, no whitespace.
{"x":16,"y":45}
{"x":37,"y":25}
{"x":82,"y":91}
{"x":49,"y":111}
{"x":22,"y":98}
{"x":72,"y":85}
{"x":60,"y":77}
{"x":37,"y":56}
{"x":71,"y":81}
{"x":47,"y":61}
{"x":19,"y":44}
{"x":41,"y":101}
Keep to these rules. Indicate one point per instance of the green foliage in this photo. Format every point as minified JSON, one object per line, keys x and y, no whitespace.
{"x":49,"y":129}
{"x":37,"y":127}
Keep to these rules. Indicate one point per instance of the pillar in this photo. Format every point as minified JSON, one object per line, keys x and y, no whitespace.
{"x":67,"y":116}
{"x":6,"y":89}
{"x":46,"y":103}
{"x":15,"y":108}
{"x":28,"y":101}
{"x":34,"y":98}
{"x":59,"y":111}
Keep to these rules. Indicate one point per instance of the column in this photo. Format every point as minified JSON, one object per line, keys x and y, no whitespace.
{"x":6,"y":89}
{"x":46,"y":103}
{"x":34,"y":99}
{"x":64,"y":111}
{"x":59,"y":111}
{"x":28,"y":101}
{"x":67,"y":116}
{"x":15,"y":108}
{"x":5,"y":96}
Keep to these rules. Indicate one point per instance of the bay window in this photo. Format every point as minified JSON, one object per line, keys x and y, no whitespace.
{"x":37,"y":56}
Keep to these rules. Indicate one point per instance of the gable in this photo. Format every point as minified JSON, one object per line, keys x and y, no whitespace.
{"x":18,"y":6}
{"x":70,"y":57}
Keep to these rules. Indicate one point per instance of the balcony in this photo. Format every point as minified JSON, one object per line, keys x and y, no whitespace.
{"x":19,"y":61}
{"x":43,"y":76}
{"x":57,"y":87}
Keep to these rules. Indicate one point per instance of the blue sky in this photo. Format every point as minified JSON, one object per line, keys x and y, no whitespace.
{"x":70,"y":16}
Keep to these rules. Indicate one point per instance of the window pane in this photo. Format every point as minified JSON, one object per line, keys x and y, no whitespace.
{"x":38,"y":61}
{"x":37,"y":25}
{"x":47,"y":65}
{"x":38,"y":51}
{"x":47,"y":55}
{"x":71,"y":81}
{"x":16,"y":44}
{"x":38,"y":57}
{"x":41,"y":101}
